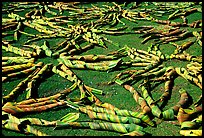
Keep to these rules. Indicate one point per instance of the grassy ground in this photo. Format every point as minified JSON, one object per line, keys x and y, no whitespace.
{"x":114,"y":94}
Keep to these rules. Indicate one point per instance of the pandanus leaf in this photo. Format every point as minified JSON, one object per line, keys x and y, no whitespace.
{"x":188,"y":125}
{"x":168,"y":114}
{"x":37,"y":48}
{"x":191,"y":132}
{"x":48,"y":52}
{"x":90,"y":58}
{"x":33,"y":121}
{"x":14,"y":109}
{"x":16,"y":60}
{"x":16,"y":67}
{"x":24,"y":72}
{"x":14,"y":93}
{"x":18,"y":51}
{"x":154,"y":108}
{"x":49,"y":98}
{"x":198,"y":102}
{"x":68,"y":74}
{"x":70,"y":117}
{"x":122,"y":128}
{"x":184,"y":98}
{"x":15,"y":35}
{"x":113,"y":118}
{"x":193,"y":110}
{"x":193,"y":124}
{"x":23,"y":128}
{"x":188,"y":114}
{"x":114,"y":111}
{"x":37,"y":77}
{"x":145,"y":108}
{"x":93,"y":90}
{"x":168,"y":88}
{"x":19,"y":125}
{"x":182,"y":116}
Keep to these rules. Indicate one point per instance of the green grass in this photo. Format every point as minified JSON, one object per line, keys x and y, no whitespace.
{"x":114,"y":94}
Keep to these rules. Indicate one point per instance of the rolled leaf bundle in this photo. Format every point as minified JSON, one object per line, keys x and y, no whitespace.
{"x":184,"y":98}
{"x":122,"y":128}
{"x":140,"y":72}
{"x":188,"y":114}
{"x":19,"y":125}
{"x":23,"y":72}
{"x":16,"y":60}
{"x":68,"y":74}
{"x":191,"y":132}
{"x":184,"y":46}
{"x":149,"y":70}
{"x":48,"y":52}
{"x":16,"y":67}
{"x":138,"y":64}
{"x":195,"y":123}
{"x":195,"y":69}
{"x":52,"y":97}
{"x":143,"y":54}
{"x":35,"y":79}
{"x":13,"y":109}
{"x":107,"y":106}
{"x":70,"y":117}
{"x":185,"y":74}
{"x":196,"y":24}
{"x":38,"y":27}
{"x":61,"y":52}
{"x":185,"y":56}
{"x":167,"y":86}
{"x":126,"y":113}
{"x":73,"y":50}
{"x":23,"y":128}
{"x":96,"y":109}
{"x":169,"y":74}
{"x":169,"y":114}
{"x":136,"y":56}
{"x":133,"y":75}
{"x":35,"y":121}
{"x":95,"y":39}
{"x":154,"y":108}
{"x":113,"y":118}
{"x":118,"y":78}
{"x":145,"y":108}
{"x":89,"y":58}
{"x":193,"y":110}
{"x":73,"y":76}
{"x":36,"y":104}
{"x":102,"y":66}
{"x":93,"y":90}
{"x":36,"y":48}
{"x":14,"y":93}
{"x":154,"y":72}
{"x":62,"y":73}
{"x":18,"y":51}
{"x":157,"y":53}
{"x":72,"y":79}
{"x":198,"y":101}
{"x":198,"y":37}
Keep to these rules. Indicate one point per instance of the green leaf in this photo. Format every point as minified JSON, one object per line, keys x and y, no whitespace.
{"x":168,"y":114}
{"x":70,"y":117}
